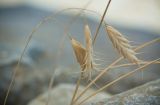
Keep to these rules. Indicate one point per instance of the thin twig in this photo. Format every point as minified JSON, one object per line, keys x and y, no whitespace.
{"x":132,"y":64}
{"x":76,"y":89}
{"x":99,"y":26}
{"x":50,"y":86}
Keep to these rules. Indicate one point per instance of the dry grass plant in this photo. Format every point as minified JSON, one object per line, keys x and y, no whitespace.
{"x":121,"y":44}
{"x":84,"y":56}
{"x":124,"y":48}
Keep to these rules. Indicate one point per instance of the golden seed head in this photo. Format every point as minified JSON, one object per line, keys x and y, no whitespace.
{"x":121,"y":44}
{"x":84,"y":55}
{"x":80,"y":52}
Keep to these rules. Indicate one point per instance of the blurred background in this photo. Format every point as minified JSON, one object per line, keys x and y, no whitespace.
{"x":138,"y":20}
{"x":144,"y":13}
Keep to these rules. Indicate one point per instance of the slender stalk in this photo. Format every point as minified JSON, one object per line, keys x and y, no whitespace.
{"x":111,"y":65}
{"x":16,"y":70}
{"x":118,"y":79}
{"x":147,"y":44}
{"x":99,"y":26}
{"x":76,"y":89}
{"x":132,"y":64}
{"x":50,"y":87}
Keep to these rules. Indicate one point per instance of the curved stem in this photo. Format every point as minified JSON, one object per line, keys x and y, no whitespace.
{"x":15,"y":70}
{"x":50,"y":87}
{"x":76,"y":89}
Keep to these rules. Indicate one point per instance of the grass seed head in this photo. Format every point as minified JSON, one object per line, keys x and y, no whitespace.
{"x":121,"y":44}
{"x":89,"y":61}
{"x":89,"y":48}
{"x":84,"y":55}
{"x":80,"y":52}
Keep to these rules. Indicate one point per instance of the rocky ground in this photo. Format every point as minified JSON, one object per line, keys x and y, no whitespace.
{"x":40,"y":61}
{"x":147,"y":94}
{"x":62,"y":94}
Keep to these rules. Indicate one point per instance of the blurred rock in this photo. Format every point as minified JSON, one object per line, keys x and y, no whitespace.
{"x":70,"y":74}
{"x":66,"y":75}
{"x":62,"y":94}
{"x":147,"y":94}
{"x":29,"y":82}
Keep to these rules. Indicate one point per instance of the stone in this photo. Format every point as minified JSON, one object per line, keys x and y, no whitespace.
{"x":147,"y":94}
{"x":62,"y":94}
{"x":30,"y":81}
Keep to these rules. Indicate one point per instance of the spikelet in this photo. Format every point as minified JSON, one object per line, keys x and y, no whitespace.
{"x":121,"y":44}
{"x":80,"y":52}
{"x":89,"y":52}
{"x":84,"y":55}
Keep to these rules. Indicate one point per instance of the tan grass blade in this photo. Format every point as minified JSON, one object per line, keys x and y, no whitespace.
{"x":89,"y":51}
{"x":121,"y":44}
{"x":113,"y":64}
{"x":118,"y":79}
{"x":80,"y":52}
{"x":83,"y":55}
{"x":76,"y":89}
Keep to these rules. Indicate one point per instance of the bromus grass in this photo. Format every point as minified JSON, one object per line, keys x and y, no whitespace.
{"x":121,"y":44}
{"x":84,"y":56}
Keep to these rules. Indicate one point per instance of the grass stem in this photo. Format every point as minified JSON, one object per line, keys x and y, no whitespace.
{"x":76,"y":89}
{"x":99,"y":26}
